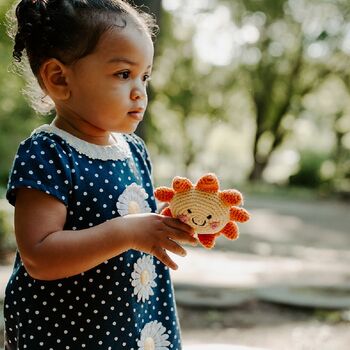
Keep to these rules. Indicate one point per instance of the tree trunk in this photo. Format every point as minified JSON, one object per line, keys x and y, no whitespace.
{"x":261,"y":97}
{"x":257,"y":171}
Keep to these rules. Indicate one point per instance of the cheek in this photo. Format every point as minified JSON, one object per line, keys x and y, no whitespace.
{"x":214,"y":225}
{"x":88,"y":94}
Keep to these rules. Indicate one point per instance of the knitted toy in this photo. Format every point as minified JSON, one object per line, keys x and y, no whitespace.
{"x":204,"y":207}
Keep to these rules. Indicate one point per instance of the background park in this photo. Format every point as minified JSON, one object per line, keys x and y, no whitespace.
{"x":259,"y":93}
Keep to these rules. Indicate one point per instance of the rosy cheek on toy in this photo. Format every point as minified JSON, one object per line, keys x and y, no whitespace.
{"x":214,"y":225}
{"x":184,"y":218}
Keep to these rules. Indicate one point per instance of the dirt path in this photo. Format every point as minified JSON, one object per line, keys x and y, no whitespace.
{"x":264,"y":326}
{"x":294,"y":243}
{"x":290,"y":243}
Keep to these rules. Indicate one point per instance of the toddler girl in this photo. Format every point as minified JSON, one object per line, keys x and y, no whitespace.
{"x":91,"y":270}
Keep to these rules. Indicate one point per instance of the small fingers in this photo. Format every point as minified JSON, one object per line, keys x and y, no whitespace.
{"x":174,"y":247}
{"x":179,"y":225}
{"x":164,"y":258}
{"x":180,"y":232}
{"x":182,"y":237}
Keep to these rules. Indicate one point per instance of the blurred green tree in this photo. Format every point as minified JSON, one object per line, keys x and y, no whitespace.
{"x":297,"y":39}
{"x":282,"y":53}
{"x":16,"y":117}
{"x":154,"y":7}
{"x":187,"y":99}
{"x":265,"y":70}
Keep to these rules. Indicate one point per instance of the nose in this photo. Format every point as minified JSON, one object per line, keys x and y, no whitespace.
{"x":138,"y":92}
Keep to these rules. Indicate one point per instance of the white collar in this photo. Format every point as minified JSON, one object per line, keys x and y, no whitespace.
{"x":118,"y":151}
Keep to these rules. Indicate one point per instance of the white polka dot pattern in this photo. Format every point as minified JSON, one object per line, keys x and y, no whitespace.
{"x":105,"y":307}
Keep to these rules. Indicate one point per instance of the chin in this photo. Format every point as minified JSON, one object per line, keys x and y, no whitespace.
{"x":127,"y":129}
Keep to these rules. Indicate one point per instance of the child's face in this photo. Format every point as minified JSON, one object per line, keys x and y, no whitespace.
{"x":108,"y":87}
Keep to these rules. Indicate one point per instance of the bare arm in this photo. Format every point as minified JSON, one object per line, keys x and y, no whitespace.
{"x":49,"y":252}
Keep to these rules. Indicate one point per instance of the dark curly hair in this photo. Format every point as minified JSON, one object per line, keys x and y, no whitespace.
{"x":66,"y":30}
{"x":69,"y":29}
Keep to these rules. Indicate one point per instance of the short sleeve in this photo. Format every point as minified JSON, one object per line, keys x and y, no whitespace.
{"x":42,"y":164}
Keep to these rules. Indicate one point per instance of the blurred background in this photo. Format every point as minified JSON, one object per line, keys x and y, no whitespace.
{"x":259,"y":93}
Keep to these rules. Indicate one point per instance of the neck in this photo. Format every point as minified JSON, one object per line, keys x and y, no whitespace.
{"x":84,"y":131}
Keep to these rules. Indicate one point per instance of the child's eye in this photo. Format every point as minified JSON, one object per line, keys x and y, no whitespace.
{"x":209,"y":217}
{"x":123,"y":75}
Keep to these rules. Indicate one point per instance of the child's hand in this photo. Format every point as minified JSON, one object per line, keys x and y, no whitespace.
{"x":154,"y":234}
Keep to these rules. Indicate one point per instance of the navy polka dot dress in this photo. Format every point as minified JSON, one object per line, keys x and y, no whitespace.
{"x":126,"y":302}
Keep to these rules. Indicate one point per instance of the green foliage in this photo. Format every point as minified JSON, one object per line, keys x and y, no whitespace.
{"x":16,"y":117}
{"x":262,"y":93}
{"x":309,"y":173}
{"x":333,"y":316}
{"x":7,"y":241}
{"x":190,"y":99}
{"x":229,"y":118}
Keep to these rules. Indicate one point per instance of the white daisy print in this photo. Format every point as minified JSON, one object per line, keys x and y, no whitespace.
{"x":143,"y":278}
{"x":153,"y":337}
{"x":133,"y":201}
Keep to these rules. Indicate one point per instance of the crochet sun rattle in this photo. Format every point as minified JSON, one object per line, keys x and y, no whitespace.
{"x":209,"y":211}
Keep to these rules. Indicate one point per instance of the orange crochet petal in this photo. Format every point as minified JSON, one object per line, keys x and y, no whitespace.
{"x":239,"y":214}
{"x":181,"y":184}
{"x":231,"y":197}
{"x":230,"y":230}
{"x":164,"y":194}
{"x":208,"y":183}
{"x":208,"y":241}
{"x":167,"y":212}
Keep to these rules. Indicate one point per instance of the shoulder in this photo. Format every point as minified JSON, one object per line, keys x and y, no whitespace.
{"x":42,"y":143}
{"x":137,"y":143}
{"x":138,"y":146}
{"x":135,"y":139}
{"x":42,"y":162}
{"x":43,"y":148}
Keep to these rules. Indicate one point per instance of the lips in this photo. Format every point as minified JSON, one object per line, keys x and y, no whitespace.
{"x":136,"y":114}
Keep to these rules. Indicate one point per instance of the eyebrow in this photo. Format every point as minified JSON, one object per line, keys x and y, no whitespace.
{"x":124,"y":60}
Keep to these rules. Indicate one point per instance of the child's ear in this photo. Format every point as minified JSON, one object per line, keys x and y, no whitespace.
{"x":53,"y":76}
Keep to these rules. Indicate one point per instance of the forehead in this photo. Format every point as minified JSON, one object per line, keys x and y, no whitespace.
{"x":129,"y":42}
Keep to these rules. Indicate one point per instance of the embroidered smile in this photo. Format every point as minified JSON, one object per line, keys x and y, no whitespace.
{"x":199,"y":224}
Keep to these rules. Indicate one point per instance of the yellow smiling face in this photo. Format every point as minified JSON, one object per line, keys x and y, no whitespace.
{"x":203,"y":211}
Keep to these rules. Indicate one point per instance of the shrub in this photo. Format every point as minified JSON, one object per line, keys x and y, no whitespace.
{"x":309,"y":174}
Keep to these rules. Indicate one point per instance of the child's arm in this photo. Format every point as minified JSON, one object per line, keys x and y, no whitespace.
{"x":49,"y":252}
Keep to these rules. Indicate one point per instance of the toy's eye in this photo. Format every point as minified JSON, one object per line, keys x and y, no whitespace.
{"x":209,"y":217}
{"x":189,"y":211}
